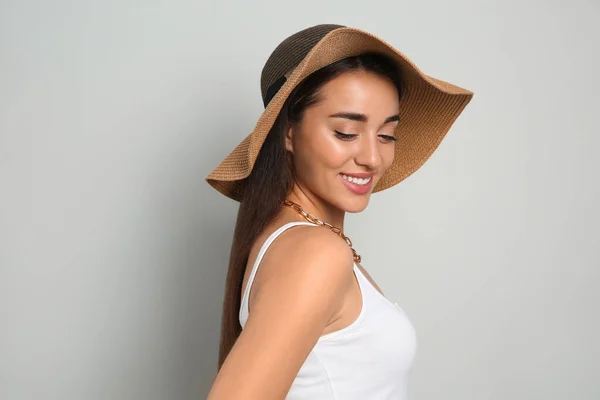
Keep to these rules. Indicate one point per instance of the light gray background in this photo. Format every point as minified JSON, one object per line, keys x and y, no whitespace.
{"x":113,"y":249}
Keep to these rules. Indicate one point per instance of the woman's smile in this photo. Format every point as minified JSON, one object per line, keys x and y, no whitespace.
{"x":357,"y":185}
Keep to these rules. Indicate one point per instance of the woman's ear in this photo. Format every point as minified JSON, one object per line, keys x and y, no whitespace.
{"x":289,"y":144}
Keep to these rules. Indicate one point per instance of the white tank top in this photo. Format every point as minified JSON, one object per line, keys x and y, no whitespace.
{"x":369,"y":359}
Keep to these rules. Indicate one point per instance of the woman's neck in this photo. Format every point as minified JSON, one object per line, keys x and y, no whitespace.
{"x":317,"y":207}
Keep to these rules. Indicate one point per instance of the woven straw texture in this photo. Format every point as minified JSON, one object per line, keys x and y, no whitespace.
{"x":428,"y":107}
{"x":290,"y":52}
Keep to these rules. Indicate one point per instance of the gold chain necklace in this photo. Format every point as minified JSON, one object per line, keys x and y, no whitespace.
{"x":311,"y":218}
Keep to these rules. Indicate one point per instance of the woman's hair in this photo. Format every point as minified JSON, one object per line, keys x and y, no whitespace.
{"x":272,"y":178}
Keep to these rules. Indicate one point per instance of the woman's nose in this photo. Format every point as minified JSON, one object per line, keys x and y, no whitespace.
{"x":369,"y":153}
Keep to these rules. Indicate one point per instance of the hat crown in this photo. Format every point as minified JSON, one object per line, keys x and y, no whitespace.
{"x":288,"y":54}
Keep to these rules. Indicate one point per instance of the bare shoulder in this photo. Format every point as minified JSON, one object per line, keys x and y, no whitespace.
{"x":299,"y":239}
{"x":305,"y":255}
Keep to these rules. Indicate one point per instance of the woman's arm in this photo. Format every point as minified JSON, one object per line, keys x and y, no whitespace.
{"x":305,"y":278}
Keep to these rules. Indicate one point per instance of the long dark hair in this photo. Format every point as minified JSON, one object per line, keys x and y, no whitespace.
{"x":272,"y":178}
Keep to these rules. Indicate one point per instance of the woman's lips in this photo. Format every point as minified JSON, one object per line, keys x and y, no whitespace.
{"x":357,"y":189}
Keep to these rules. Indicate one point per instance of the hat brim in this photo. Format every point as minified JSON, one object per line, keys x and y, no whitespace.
{"x":428,"y":108}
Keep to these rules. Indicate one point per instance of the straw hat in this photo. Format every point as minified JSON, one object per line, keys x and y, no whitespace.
{"x":428,"y":106}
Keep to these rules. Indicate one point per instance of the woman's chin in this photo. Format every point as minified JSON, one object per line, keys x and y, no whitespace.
{"x":355,"y":205}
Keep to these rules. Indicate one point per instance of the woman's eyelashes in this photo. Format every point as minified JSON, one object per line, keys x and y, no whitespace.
{"x":344,"y":136}
{"x":389,"y":138}
{"x":350,"y":136}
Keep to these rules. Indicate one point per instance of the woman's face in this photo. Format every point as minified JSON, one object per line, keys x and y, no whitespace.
{"x":339,"y":169}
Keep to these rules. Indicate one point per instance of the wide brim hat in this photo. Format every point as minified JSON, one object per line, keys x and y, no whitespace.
{"x":428,"y":106}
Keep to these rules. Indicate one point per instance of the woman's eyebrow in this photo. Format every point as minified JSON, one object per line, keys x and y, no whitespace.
{"x":393,"y":118}
{"x":362,"y":117}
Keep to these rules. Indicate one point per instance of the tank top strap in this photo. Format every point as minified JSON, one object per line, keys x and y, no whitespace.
{"x":243,"y":314}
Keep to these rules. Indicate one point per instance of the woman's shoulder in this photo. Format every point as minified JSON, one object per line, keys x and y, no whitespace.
{"x":305,"y":255}
{"x":306,"y":242}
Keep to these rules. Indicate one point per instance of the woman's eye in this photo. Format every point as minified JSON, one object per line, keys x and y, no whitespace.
{"x":350,"y":136}
{"x":344,"y":136}
{"x":389,"y":138}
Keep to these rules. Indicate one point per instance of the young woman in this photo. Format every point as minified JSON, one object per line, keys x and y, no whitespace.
{"x":346,"y":115}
